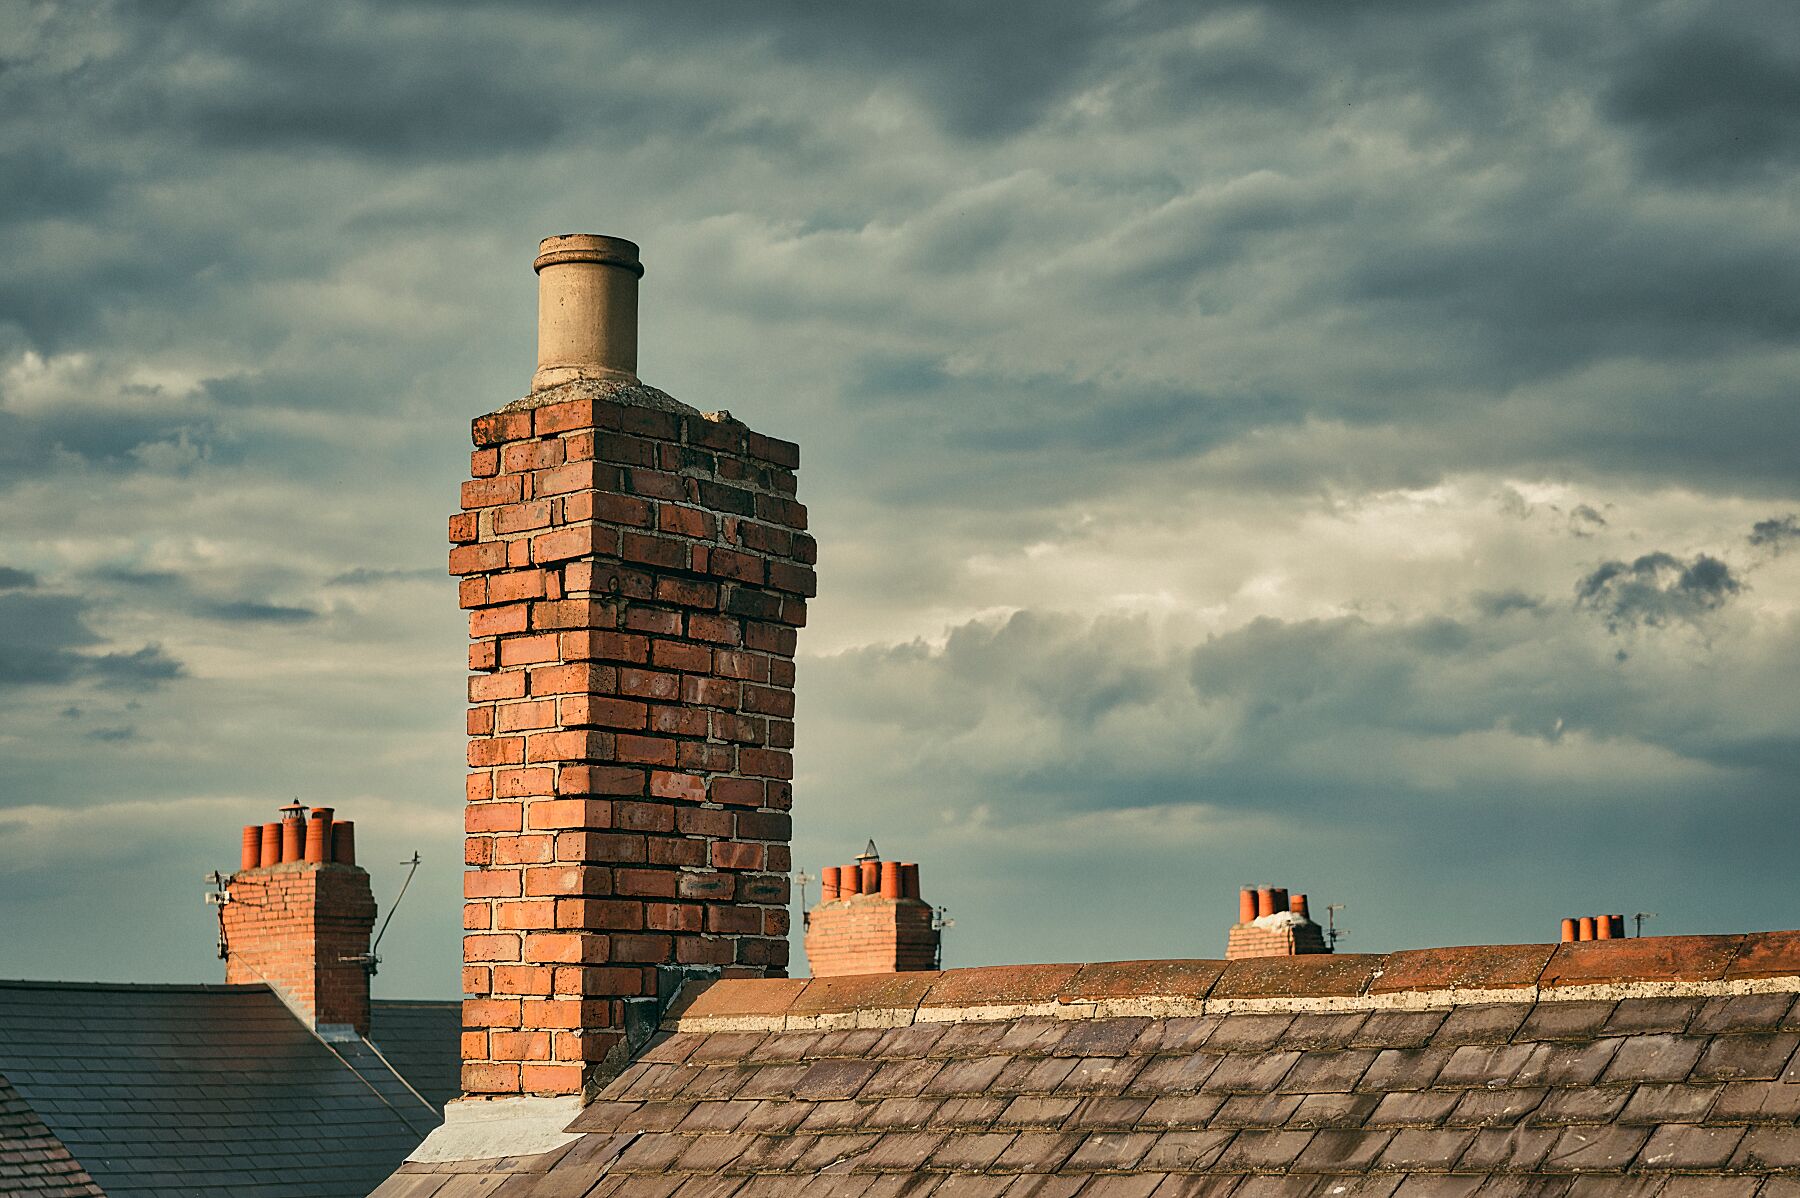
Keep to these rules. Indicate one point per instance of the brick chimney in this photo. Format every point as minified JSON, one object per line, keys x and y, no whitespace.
{"x":1271,"y":924}
{"x":870,"y":919}
{"x":635,"y":572}
{"x":297,"y":915}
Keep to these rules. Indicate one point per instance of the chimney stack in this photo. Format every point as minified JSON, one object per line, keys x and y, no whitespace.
{"x":300,"y":923}
{"x":1271,"y":923}
{"x":858,"y":929}
{"x":635,"y":573}
{"x":1593,"y":927}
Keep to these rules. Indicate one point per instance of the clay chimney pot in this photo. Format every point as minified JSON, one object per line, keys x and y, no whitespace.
{"x":343,"y":841}
{"x":1569,"y":931}
{"x":828,"y":883}
{"x":909,"y":879}
{"x":587,"y":309}
{"x":1246,"y":905}
{"x":251,"y":856}
{"x":892,"y":887}
{"x":1265,"y":901}
{"x":1587,"y":927}
{"x":271,"y":845}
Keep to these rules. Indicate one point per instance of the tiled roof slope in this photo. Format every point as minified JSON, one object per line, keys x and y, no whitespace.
{"x":197,"y":1090}
{"x":423,"y":1042}
{"x":34,"y":1162}
{"x":1659,"y":1066}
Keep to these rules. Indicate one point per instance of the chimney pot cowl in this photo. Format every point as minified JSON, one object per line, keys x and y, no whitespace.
{"x":587,"y":309}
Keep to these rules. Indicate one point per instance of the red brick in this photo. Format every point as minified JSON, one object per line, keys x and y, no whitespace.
{"x":573,"y":678}
{"x":565,"y":543}
{"x":489,"y":492}
{"x":766,"y":763}
{"x":649,"y":684}
{"x":516,"y":585}
{"x":497,"y":427}
{"x":604,"y":646}
{"x":486,"y":946}
{"x":649,"y":750}
{"x":742,"y":792}
{"x":600,"y":780}
{"x":668,"y":785}
{"x":477,"y":559}
{"x":578,"y":745}
{"x":598,"y":711}
{"x":528,"y":915}
{"x":570,"y":813}
{"x":497,"y":750}
{"x":486,"y":689}
{"x":522,"y":517}
{"x":686,"y":521}
{"x":528,"y":650}
{"x":491,"y":817}
{"x":464,"y":527}
{"x":731,"y":855}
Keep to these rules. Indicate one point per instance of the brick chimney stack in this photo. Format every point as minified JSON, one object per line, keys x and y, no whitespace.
{"x":870,"y":919}
{"x":1271,"y":924}
{"x":635,"y":572}
{"x":297,"y":916}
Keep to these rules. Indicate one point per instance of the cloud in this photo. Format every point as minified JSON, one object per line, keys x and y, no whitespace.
{"x":1775,"y":533}
{"x":14,"y":579}
{"x":1657,"y":590}
{"x":45,"y":639}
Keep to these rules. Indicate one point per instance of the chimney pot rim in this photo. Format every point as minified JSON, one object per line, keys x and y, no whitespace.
{"x":589,"y":247}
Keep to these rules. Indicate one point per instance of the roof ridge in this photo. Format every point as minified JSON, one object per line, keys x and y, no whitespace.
{"x":170,"y":987}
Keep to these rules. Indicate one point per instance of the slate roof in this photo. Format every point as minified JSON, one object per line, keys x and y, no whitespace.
{"x":196,"y":1090}
{"x":33,"y":1161}
{"x":1661,"y":1066}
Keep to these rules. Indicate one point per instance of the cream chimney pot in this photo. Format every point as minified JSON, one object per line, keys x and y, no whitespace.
{"x":587,"y":309}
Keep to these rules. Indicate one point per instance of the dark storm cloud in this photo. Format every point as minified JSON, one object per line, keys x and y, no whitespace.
{"x":14,"y":579}
{"x":46,"y":638}
{"x":1657,"y":590}
{"x":1776,"y":533}
{"x":175,"y":591}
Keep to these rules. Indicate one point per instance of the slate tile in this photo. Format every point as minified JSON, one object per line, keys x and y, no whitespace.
{"x":1248,"y":1033}
{"x":669,"y":1049}
{"x":713,"y":1081}
{"x":1404,"y":1069}
{"x":1612,"y":1185}
{"x":1038,"y":1151}
{"x":1654,"y":1058}
{"x":1634,"y":1016}
{"x":1129,"y":1185}
{"x":1249,"y":1072}
{"x":787,"y":1047}
{"x":773,"y":1081}
{"x":1484,"y":1064}
{"x":1110,"y":1111}
{"x":1757,"y":1102}
{"x":1034,"y":1075}
{"x":830,"y":1151}
{"x":1042,"y":1185}
{"x":656,"y":1117}
{"x":1416,"y":1148}
{"x":1103,"y":1075}
{"x":1257,"y":1110}
{"x":1034,"y":1112}
{"x":859,"y":1043}
{"x":967,"y":1113}
{"x":1032,"y":1036}
{"x":1334,"y":1110}
{"x":1328,"y":1072}
{"x":899,"y":1152}
{"x":902,"y":1114}
{"x":716,"y":1048}
{"x":837,"y":1115}
{"x":1181,"y":1110}
{"x":771,"y":1154}
{"x":1186,"y":1151}
{"x":1398,"y":1029}
{"x":1414,"y":1108}
{"x":1260,"y":1150}
{"x":1278,"y":1186}
{"x":1565,"y":1020}
{"x":1669,"y":1102}
{"x":1178,"y":1034}
{"x":1516,"y":1149}
{"x":972,"y":1075}
{"x":1495,"y":1108}
{"x":652,"y":1153}
{"x":909,"y":1043}
{"x":1438,"y":1185}
{"x":1175,"y":1075}
{"x":1110,"y":1150}
{"x":970,"y":1040}
{"x":1746,"y":1056}
{"x":1741,"y":1013}
{"x":1595,"y":1149}
{"x":1566,"y":1062}
{"x":971,"y":1185}
{"x":1315,"y":1031}
{"x":1701,"y":1186}
{"x":834,"y":1079}
{"x":603,"y":1116}
{"x":899,"y":1079}
{"x":1586,"y":1104}
{"x":716,"y":1116}
{"x":1197,"y":1185}
{"x":1766,"y":1147}
{"x":1485,"y":1023}
{"x":1687,"y":1146}
{"x":972,"y":1153}
{"x":1343,"y":1151}
{"x":1100,"y":1037}
{"x":777,"y":1117}
{"x":712,"y":1153}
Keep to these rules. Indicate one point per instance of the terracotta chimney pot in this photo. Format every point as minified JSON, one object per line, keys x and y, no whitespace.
{"x":850,"y":880}
{"x":1587,"y":927}
{"x":293,"y":839}
{"x":871,"y":877}
{"x":909,"y":879}
{"x":271,"y":845}
{"x":828,"y":883}
{"x":1246,"y":905}
{"x":1265,"y":901}
{"x":1569,"y":931}
{"x":251,"y":855}
{"x":891,"y":885}
{"x":343,"y":841}
{"x":587,"y":309}
{"x":1297,"y":904}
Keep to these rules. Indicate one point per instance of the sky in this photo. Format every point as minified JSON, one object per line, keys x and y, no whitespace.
{"x":1344,"y":447}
